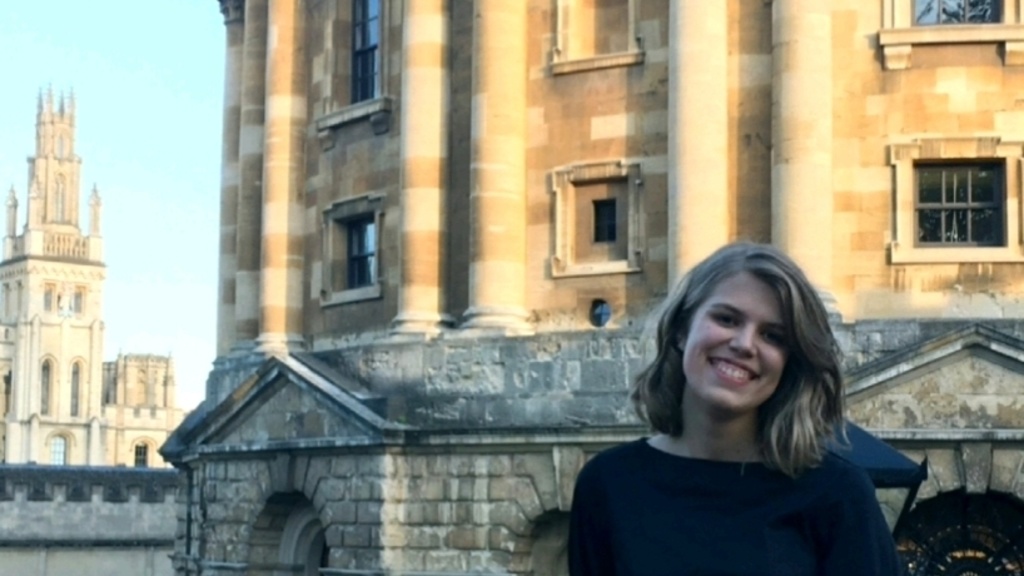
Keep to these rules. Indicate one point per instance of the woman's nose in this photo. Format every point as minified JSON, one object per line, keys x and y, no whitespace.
{"x":743,"y":339}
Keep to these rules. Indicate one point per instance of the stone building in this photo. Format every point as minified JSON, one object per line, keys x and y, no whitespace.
{"x":61,"y":403}
{"x":444,"y":224}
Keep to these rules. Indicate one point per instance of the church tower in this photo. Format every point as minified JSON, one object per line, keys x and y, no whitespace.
{"x":51,"y":278}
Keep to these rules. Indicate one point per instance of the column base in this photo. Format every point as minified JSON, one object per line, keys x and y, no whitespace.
{"x":419,"y":325}
{"x":495,"y":321}
{"x":272,"y":344}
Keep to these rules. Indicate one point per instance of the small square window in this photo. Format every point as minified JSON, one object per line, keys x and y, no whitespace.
{"x":361,"y":252}
{"x":604,"y":220}
{"x":960,"y":205}
{"x":942,"y":12}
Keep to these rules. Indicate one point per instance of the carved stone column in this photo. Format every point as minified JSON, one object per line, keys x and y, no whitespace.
{"x":250,"y":168}
{"x":802,"y":137}
{"x":497,"y":285}
{"x":233,"y":12}
{"x":424,"y":140}
{"x":283,"y":179}
{"x":698,"y":142}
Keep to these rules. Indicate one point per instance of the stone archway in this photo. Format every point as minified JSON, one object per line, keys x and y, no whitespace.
{"x":963,"y":534}
{"x":287,"y":538}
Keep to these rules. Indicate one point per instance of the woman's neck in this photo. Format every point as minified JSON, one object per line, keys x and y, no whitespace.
{"x":727,"y":440}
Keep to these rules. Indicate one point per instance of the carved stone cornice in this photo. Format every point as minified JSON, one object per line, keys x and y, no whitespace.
{"x":233,"y":10}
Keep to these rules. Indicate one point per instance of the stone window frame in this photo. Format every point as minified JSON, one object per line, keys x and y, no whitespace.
{"x":899,"y":35}
{"x":563,"y":188}
{"x":903,"y":157}
{"x":377,"y":111}
{"x":334,"y":219}
{"x":563,"y":62}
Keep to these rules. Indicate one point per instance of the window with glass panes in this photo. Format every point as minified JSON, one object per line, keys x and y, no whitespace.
{"x":604,"y":220}
{"x":58,"y":451}
{"x":960,"y":205}
{"x":141,"y":455}
{"x":362,"y":252}
{"x":932,"y":12}
{"x":365,"y":49}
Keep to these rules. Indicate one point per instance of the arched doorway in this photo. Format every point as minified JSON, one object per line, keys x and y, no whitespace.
{"x":288,"y":538}
{"x":960,"y":534}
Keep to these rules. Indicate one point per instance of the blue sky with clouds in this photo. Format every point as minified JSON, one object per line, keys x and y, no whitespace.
{"x":148,"y":81}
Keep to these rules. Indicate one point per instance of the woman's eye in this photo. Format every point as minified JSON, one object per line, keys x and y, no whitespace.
{"x":725,"y":319}
{"x":775,"y":338}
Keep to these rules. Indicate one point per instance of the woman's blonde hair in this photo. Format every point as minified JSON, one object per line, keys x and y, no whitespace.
{"x":806,"y":410}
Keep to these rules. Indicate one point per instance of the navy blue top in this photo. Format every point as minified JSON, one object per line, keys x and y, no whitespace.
{"x":638,"y":511}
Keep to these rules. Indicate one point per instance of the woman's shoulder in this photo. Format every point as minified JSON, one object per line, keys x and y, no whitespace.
{"x":839,"y":477}
{"x":615,"y":459}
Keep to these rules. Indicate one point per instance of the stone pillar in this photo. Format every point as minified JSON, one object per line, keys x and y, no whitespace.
{"x":283,"y":179}
{"x":424,"y":141}
{"x":250,"y":162}
{"x":698,"y":135}
{"x":802,"y":137}
{"x":497,"y":267}
{"x":229,"y":177}
{"x":95,"y":455}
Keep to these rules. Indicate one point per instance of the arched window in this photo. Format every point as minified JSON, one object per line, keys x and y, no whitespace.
{"x":58,"y":451}
{"x":142,"y":455}
{"x":60,"y":146}
{"x":44,"y":387}
{"x":76,"y":377}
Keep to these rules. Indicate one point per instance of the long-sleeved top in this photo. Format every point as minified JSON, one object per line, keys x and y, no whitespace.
{"x":639,"y":511}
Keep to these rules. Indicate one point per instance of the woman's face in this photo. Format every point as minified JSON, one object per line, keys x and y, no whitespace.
{"x":735,"y":351}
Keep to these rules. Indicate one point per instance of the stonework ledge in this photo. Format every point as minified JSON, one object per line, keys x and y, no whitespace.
{"x":897,"y":43}
{"x":616,"y":60}
{"x":378,"y":111}
{"x":952,"y":434}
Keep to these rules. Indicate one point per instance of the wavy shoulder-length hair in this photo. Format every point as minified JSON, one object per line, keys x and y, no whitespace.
{"x":802,"y":415}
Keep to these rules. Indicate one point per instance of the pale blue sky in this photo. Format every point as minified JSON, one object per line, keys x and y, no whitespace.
{"x":148,"y":81}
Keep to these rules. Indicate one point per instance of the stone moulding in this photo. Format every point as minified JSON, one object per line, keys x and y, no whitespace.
{"x":376,"y":111}
{"x":897,"y":43}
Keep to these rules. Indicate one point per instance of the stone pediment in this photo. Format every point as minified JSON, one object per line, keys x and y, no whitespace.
{"x":287,"y":404}
{"x":968,"y":379}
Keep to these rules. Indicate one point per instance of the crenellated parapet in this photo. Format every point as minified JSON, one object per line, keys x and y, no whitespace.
{"x":91,"y":485}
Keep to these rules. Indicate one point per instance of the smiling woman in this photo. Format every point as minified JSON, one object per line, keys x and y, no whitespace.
{"x":745,"y":395}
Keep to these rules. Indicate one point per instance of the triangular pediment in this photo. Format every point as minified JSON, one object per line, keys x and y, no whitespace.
{"x":971,"y":378}
{"x":288,"y":403}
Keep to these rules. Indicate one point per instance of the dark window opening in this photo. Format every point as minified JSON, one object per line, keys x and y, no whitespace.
{"x":76,"y":376}
{"x":362,"y":252}
{"x":604,"y":221}
{"x":141,"y":456}
{"x":960,"y":205}
{"x":932,"y":12}
{"x":365,"y":49}
{"x":44,"y":388}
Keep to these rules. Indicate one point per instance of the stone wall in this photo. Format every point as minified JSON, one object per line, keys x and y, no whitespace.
{"x":86,"y":521}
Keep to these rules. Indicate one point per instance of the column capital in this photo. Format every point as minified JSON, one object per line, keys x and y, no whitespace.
{"x":233,"y":10}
